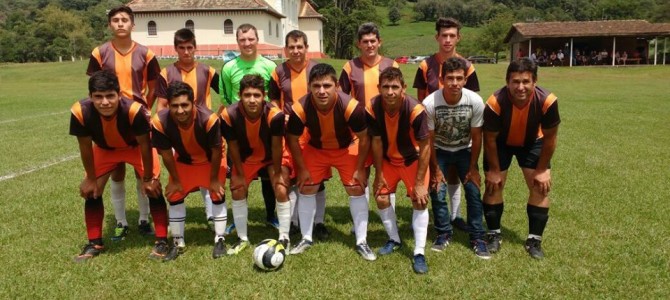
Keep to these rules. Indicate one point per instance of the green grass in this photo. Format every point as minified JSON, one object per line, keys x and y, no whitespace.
{"x":607,"y":236}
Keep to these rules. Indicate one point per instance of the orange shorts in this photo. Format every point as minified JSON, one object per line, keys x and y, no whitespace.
{"x":193,"y":177}
{"x":393,"y":174}
{"x":106,"y":160}
{"x":319,"y":161}
{"x":251,"y":169}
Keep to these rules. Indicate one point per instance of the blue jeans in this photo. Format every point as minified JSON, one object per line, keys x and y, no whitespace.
{"x":461,"y":160}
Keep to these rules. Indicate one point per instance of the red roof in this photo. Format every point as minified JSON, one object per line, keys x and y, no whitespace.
{"x":589,"y":29}
{"x":202,"y":5}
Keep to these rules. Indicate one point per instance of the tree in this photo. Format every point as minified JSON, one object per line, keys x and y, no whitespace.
{"x":342,"y":20}
{"x":492,"y":35}
{"x":394,"y":15}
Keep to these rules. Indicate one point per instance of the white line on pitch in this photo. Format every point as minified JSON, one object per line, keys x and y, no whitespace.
{"x":35,"y":116}
{"x":44,"y":166}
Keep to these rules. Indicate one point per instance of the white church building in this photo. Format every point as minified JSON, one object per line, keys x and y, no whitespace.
{"x":214,"y":23}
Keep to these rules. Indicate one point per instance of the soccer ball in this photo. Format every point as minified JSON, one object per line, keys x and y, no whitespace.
{"x":269,"y":255}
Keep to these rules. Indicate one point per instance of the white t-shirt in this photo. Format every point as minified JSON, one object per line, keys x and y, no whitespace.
{"x":452,"y":123}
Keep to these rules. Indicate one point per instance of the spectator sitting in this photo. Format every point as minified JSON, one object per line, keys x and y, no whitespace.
{"x":560,"y":57}
{"x":553,"y":59}
{"x":624,"y":57}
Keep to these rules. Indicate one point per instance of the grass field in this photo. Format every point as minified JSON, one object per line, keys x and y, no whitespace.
{"x":607,"y":236}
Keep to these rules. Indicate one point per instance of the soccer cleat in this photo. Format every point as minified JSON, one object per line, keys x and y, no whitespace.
{"x":364,"y":250}
{"x":219,"y":249}
{"x":480,"y":248}
{"x":238,"y":247}
{"x":301,"y":247}
{"x":459,"y":223}
{"x":89,"y":251}
{"x":120,"y":233}
{"x":534,"y":248}
{"x":321,"y":232}
{"x":160,"y":250}
{"x":441,"y":242}
{"x":493,"y":240}
{"x":174,"y":252}
{"x":389,"y":247}
{"x":229,"y":229}
{"x":287,"y":244}
{"x":274,"y":222}
{"x":419,"y":264}
{"x":144,"y":228}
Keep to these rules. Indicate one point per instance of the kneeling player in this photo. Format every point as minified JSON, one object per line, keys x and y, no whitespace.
{"x":194,"y":133}
{"x":400,"y":140}
{"x":254,"y":130}
{"x":112,"y":130}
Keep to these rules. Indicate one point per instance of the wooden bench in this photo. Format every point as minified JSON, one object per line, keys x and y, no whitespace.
{"x":636,"y":60}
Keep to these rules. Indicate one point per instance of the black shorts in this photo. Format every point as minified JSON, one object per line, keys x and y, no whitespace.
{"x":527,"y":157}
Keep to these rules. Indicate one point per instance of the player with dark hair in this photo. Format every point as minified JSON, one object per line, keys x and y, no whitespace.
{"x":397,"y":124}
{"x":113,"y":130}
{"x":521,"y":119}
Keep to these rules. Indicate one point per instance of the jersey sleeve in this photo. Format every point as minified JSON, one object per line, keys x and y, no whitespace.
{"x":345,"y":84}
{"x":477,"y":113}
{"x":214,"y":83}
{"x":429,"y":104}
{"x":419,"y":80}
{"x":93,"y":66}
{"x":153,"y":69}
{"x":420,"y":126}
{"x":277,"y":125}
{"x":161,"y":85}
{"x":373,"y":126}
{"x":227,"y":130}
{"x":77,"y":128}
{"x":274,"y":92}
{"x":295,"y":126}
{"x":358,"y":121}
{"x":140,"y":124}
{"x":158,"y":138}
{"x":492,"y":121}
{"x":472,"y":83}
{"x":551,"y":118}
{"x":214,"y":134}
{"x":226,"y":87}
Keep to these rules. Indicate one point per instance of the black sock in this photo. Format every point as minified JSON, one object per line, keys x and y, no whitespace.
{"x":493,"y":215}
{"x":537,"y":219}
{"x":269,"y":198}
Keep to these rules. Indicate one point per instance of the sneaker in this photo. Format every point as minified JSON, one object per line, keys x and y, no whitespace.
{"x":120,"y":233}
{"x":144,"y":228}
{"x":419,"y":264}
{"x":238,"y":247}
{"x":441,"y":242}
{"x":274,"y":222}
{"x":389,"y":247}
{"x":294,"y":230}
{"x":480,"y":248}
{"x":321,"y":232}
{"x":301,"y":247}
{"x":365,"y":252}
{"x":160,"y":250}
{"x":219,"y":249}
{"x":460,"y":224}
{"x":89,"y":251}
{"x":174,"y":252}
{"x":534,"y":248}
{"x":229,"y":229}
{"x":493,"y":241}
{"x":286,"y":244}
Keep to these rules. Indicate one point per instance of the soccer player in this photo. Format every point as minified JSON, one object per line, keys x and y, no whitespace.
{"x":137,"y":70}
{"x":249,"y":62}
{"x":521,"y":119}
{"x":254,"y":130}
{"x":113,"y":130}
{"x":333,"y":120}
{"x":194,"y":132}
{"x":289,"y":83}
{"x":400,"y":148}
{"x":428,"y":80}
{"x":199,"y":76}
{"x":455,"y":118}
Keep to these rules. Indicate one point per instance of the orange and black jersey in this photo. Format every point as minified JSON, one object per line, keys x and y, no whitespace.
{"x":521,"y":126}
{"x":400,"y":132}
{"x":134,"y":69}
{"x":254,"y":137}
{"x":428,"y":75}
{"x":192,"y":145}
{"x":360,"y":80}
{"x":131,"y":120}
{"x":288,"y":85}
{"x":201,"y":78}
{"x":330,"y":130}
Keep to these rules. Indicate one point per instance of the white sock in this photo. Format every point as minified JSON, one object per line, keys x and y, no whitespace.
{"x":358,"y":205}
{"x":207,"y":202}
{"x":118,"y":195}
{"x":177,"y":220}
{"x":142,"y":203}
{"x":306,"y":212}
{"x":392,"y":199}
{"x":320,"y":207}
{"x":390,"y":223}
{"x":284,"y":216}
{"x":240,"y":215}
{"x":220,"y":216}
{"x":534,"y":236}
{"x":455,"y":197}
{"x":367,"y":194}
{"x":293,"y":199}
{"x":420,"y":226}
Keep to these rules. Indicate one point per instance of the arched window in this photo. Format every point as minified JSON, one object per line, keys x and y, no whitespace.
{"x":228,"y":26}
{"x":189,"y":24}
{"x":152,"y":28}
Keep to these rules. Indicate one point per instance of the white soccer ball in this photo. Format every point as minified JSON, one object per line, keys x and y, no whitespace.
{"x":269,"y":255}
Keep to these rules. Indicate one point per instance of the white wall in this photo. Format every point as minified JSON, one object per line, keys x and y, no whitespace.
{"x":313,"y":28}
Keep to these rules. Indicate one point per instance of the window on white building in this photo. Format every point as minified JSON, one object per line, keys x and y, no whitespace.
{"x":190,"y":25}
{"x":152,"y":28}
{"x":228,"y":26}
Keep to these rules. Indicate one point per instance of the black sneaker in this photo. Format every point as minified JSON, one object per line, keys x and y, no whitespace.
{"x":493,"y":241}
{"x":480,"y":248}
{"x":120,"y":233}
{"x":534,"y":248}
{"x":460,"y":224}
{"x":441,"y":242}
{"x":89,"y":251}
{"x":160,"y":250}
{"x":174,"y":252}
{"x":321,"y":232}
{"x":144,"y":228}
{"x":419,"y":264}
{"x":219,"y":249}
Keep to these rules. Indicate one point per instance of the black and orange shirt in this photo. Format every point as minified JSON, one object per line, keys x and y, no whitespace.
{"x":119,"y":132}
{"x":134,"y":69}
{"x":201,"y":78}
{"x":254,"y":137}
{"x":288,"y":85}
{"x":328,"y":130}
{"x":521,"y":126}
{"x":360,"y":80}
{"x":192,"y":145}
{"x":428,"y":75}
{"x":399,"y":132}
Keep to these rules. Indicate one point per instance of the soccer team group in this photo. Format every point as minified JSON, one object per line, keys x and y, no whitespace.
{"x":291,"y":124}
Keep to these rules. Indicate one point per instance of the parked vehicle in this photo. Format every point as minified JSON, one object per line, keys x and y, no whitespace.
{"x":229,"y":55}
{"x":416,"y":59}
{"x":481,"y":59}
{"x":402,"y":59}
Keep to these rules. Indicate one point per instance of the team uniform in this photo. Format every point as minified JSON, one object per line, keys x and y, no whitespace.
{"x":360,"y":80}
{"x":428,"y":76}
{"x":201,"y":78}
{"x":233,"y":71}
{"x":289,"y":85}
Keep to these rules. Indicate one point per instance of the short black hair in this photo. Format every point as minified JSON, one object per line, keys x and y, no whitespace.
{"x":447,"y":23}
{"x":295,"y":34}
{"x":179,"y":88}
{"x":453,"y":64}
{"x":322,"y":70}
{"x":523,"y":64}
{"x":119,"y":9}
{"x":252,"y":81}
{"x":103,"y":80}
{"x":390,"y":74}
{"x":367,"y":28}
{"x":184,"y":35}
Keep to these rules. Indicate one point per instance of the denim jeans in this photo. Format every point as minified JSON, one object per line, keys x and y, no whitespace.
{"x":461,"y":160}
